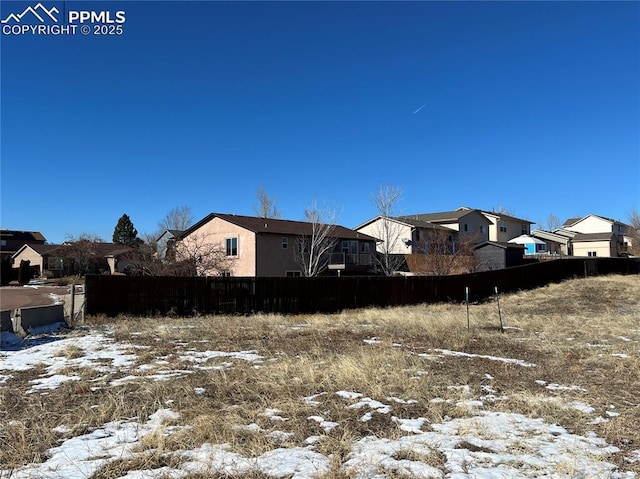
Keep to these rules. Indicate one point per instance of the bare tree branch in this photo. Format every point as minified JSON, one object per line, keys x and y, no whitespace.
{"x":197,"y":255}
{"x":312,"y":253}
{"x":266,"y":207}
{"x":388,"y":230}
{"x":445,"y":252}
{"x":634,"y":221}
{"x":179,"y":218}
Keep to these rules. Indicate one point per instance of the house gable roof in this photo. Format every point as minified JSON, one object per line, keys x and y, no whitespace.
{"x":586,"y":237}
{"x":500,"y":244}
{"x":550,"y":236}
{"x":498,"y":215}
{"x":170,"y":233}
{"x":447,"y":216}
{"x":573,"y":221}
{"x":417,"y":223}
{"x":22,"y":235}
{"x":41,"y":249}
{"x":275,"y":226}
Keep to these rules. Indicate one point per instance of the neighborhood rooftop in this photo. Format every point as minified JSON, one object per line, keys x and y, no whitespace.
{"x":274,"y":226}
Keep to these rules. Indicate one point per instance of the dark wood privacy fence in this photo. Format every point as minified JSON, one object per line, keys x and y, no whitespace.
{"x":184,"y":296}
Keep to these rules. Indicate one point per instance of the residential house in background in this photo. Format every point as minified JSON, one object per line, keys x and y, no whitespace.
{"x":12,"y":240}
{"x":599,"y":236}
{"x":74,"y":258}
{"x":557,"y":243}
{"x":469,"y":223}
{"x":257,"y":246}
{"x":504,"y":227}
{"x":406,"y":235}
{"x":531,"y":245}
{"x":38,"y":256}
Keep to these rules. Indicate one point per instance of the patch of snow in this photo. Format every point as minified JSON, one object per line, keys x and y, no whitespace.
{"x":461,"y":354}
{"x":348,"y":394}
{"x":51,"y":382}
{"x":326,"y":425}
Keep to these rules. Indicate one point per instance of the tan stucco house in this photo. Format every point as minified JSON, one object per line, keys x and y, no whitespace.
{"x":269,"y":247}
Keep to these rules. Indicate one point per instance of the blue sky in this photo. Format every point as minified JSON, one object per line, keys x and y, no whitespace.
{"x":529,"y":106}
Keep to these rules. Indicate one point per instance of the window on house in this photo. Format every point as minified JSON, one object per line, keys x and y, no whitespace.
{"x":592,"y":253}
{"x":417,"y":235}
{"x":503,"y":226}
{"x":225,"y":274}
{"x":466,"y":227}
{"x":524,"y":230}
{"x":232,"y":246}
{"x":481,"y":229}
{"x":293,"y":274}
{"x":55,"y":263}
{"x":3,"y":242}
{"x":364,"y":247}
{"x":285,"y":242}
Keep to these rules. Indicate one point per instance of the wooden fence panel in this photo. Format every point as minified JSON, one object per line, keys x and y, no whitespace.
{"x":185,"y":296}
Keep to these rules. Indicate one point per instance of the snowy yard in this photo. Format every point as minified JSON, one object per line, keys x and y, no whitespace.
{"x":399,"y":393}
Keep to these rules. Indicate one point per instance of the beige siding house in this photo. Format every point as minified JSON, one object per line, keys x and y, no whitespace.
{"x":470,"y":224}
{"x":504,"y":227}
{"x":256,"y":246}
{"x":599,"y":236}
{"x":38,"y":257}
{"x":404,"y":235}
{"x":595,"y":245}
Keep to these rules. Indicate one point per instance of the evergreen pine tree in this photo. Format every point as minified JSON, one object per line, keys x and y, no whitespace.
{"x":124,"y":232}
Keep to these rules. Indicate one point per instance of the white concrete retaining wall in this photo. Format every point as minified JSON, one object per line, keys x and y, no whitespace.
{"x":27,"y":318}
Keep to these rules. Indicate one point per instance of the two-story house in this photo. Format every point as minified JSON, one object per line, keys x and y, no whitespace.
{"x":472,"y":225}
{"x":504,"y":227}
{"x":253,"y":246}
{"x":598,"y":236}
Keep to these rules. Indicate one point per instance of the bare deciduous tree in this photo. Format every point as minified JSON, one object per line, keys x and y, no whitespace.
{"x":553,"y":222}
{"x":313,"y":250}
{"x":502,"y":210}
{"x":445,"y":252}
{"x":198,"y":255}
{"x":388,"y":230}
{"x":634,"y":221}
{"x":266,"y":207}
{"x":179,"y":218}
{"x":81,"y":254}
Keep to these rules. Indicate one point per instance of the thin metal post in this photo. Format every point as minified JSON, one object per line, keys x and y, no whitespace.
{"x":499,"y":312}
{"x":466,"y":296}
{"x":73,"y":301}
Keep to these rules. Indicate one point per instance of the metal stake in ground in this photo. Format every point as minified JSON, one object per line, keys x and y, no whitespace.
{"x":466,"y":299}
{"x":499,"y":312}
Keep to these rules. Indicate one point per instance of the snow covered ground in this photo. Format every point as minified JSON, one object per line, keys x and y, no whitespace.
{"x":484,"y":444}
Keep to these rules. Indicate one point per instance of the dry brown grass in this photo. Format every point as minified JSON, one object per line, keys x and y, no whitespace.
{"x":582,"y":335}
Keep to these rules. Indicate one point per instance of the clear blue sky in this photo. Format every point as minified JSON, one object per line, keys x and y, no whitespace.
{"x":533,"y":107}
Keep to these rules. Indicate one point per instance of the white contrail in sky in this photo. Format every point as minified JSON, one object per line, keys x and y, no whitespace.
{"x":420,"y":108}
